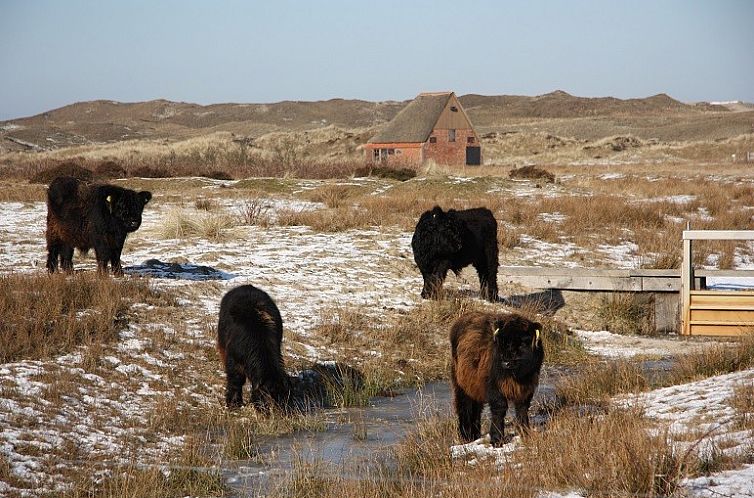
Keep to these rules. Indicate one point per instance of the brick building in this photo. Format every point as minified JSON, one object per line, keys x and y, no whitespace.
{"x":433,"y":127}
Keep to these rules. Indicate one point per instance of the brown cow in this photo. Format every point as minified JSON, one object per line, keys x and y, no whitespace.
{"x":84,"y":216}
{"x":496,"y":359}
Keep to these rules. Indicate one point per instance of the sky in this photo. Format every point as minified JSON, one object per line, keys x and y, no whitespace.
{"x":54,"y":53}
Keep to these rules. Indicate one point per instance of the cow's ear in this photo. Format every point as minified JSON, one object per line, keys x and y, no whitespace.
{"x":536,"y":341}
{"x":145,"y":196}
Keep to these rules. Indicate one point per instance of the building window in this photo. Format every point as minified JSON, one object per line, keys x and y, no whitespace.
{"x":376,"y":153}
{"x":433,"y":140}
{"x":451,"y":135}
{"x":391,"y":151}
{"x":470,"y":140}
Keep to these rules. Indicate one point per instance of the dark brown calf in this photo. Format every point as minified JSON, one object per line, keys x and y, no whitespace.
{"x":249,"y":334}
{"x":84,"y":216}
{"x":496,"y":359}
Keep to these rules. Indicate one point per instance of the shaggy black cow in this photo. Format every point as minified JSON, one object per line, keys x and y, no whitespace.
{"x":496,"y":359}
{"x":82,"y":216}
{"x":249,"y":334}
{"x":452,"y":240}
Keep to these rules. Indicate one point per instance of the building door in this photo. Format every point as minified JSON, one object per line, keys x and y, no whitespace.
{"x":473,"y":156}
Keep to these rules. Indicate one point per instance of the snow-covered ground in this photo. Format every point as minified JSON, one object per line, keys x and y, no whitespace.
{"x":305,"y":272}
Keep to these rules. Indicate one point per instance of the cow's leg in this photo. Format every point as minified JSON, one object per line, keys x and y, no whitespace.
{"x":66,"y":258}
{"x":102,"y":254}
{"x":434,"y":281}
{"x":487,"y":271}
{"x":522,"y":414}
{"x":498,"y":409}
{"x":53,"y":251}
{"x":236,"y":378}
{"x":115,"y":261}
{"x":469,"y":415}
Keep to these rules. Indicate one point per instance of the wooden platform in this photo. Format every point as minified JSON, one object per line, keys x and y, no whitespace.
{"x":664,"y":285}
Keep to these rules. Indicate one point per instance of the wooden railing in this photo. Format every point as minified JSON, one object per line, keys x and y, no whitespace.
{"x":714,"y":312}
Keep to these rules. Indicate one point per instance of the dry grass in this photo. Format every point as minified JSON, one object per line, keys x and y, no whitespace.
{"x":596,"y":383}
{"x":614,"y":455}
{"x":45,"y":315}
{"x":715,"y":360}
{"x":181,"y":224}
{"x":625,"y":313}
{"x":743,"y":405}
{"x":191,"y":473}
{"x":22,"y":192}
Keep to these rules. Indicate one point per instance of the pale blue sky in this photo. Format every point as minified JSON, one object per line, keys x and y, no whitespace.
{"x":54,"y":53}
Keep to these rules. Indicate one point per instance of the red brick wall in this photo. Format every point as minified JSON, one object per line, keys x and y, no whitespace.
{"x":446,"y":152}
{"x":402,"y":156}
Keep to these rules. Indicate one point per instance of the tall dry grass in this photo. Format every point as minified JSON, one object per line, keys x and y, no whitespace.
{"x":44,"y":315}
{"x":181,"y":224}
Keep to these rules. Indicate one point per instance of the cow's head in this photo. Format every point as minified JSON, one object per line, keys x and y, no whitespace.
{"x":518,"y":345}
{"x":126,"y":206}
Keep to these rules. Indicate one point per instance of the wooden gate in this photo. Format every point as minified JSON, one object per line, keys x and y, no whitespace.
{"x":710,"y":312}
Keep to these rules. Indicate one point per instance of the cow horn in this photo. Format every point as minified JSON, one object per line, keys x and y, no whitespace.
{"x":109,"y":200}
{"x":535,"y":342}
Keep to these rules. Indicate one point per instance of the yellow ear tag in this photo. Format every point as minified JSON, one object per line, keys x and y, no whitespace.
{"x":535,"y":342}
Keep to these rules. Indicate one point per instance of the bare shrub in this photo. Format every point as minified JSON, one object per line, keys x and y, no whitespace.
{"x":43,"y":315}
{"x":254,"y":212}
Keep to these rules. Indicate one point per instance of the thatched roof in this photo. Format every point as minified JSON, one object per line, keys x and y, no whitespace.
{"x":415,"y":121}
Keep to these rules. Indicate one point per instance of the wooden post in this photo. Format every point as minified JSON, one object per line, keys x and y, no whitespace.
{"x":687,"y":281}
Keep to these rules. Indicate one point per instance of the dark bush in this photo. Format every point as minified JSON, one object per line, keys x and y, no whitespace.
{"x":109,"y":169}
{"x":68,"y":168}
{"x":217,"y":175}
{"x":532,"y":173}
{"x":150,"y":172}
{"x":400,"y":174}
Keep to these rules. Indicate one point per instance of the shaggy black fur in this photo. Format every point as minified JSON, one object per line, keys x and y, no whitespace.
{"x":452,"y":240}
{"x":249,"y":334}
{"x":496,"y":359}
{"x":83,"y":216}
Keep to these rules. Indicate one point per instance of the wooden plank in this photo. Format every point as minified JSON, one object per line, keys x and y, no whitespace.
{"x":718,"y":330}
{"x":734,"y":316}
{"x":720,"y":299}
{"x":591,"y":283}
{"x":718,"y":235}
{"x":660,"y":284}
{"x":724,"y":273}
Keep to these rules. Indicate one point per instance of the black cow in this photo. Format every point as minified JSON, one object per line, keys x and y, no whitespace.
{"x":452,"y":240}
{"x":249,"y":336}
{"x":84,"y":216}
